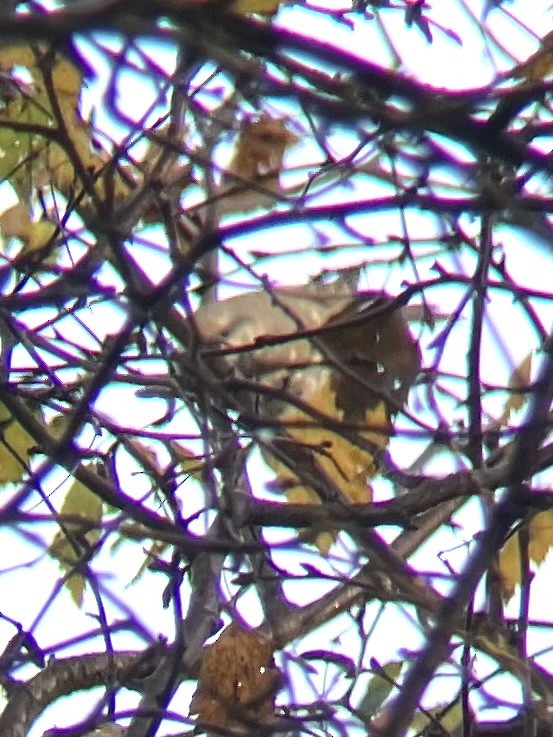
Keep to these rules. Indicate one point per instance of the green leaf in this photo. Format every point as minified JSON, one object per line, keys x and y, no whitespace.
{"x":71,"y":543}
{"x":378,"y":689}
{"x":15,"y":447}
{"x":448,"y":716}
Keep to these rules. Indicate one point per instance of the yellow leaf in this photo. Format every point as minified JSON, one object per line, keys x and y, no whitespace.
{"x":261,"y":7}
{"x":35,"y":235}
{"x":76,"y":585}
{"x":341,"y":462}
{"x":450,"y":717}
{"x":540,"y":536}
{"x":540,"y":541}
{"x":324,"y":541}
{"x":346,"y":465}
{"x":70,"y":549}
{"x":15,"y":447}
{"x":17,"y":147}
{"x":67,"y":78}
{"x":12,"y":150}
{"x":519,"y":383}
{"x":14,"y":222}
{"x":509,"y":567}
{"x":303,"y":495}
{"x":57,"y":425}
{"x":16,"y":56}
{"x":21,"y":161}
{"x":452,"y":720}
{"x":48,"y":164}
{"x":189,"y":462}
{"x":40,"y":233}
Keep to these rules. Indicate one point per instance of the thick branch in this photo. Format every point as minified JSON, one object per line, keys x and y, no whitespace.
{"x":27,"y":700}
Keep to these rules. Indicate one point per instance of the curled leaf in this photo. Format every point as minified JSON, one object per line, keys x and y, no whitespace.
{"x":519,"y":384}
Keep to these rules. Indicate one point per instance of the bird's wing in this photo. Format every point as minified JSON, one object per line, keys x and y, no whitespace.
{"x":261,"y":317}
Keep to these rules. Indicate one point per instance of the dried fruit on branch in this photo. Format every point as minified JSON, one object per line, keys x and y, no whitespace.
{"x":238,"y":681}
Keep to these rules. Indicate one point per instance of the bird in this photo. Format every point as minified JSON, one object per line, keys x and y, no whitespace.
{"x":280,"y":337}
{"x":326,"y":366}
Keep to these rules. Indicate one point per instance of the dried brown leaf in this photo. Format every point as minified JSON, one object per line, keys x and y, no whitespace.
{"x":253,"y":177}
{"x":260,"y":149}
{"x":238,"y":680}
